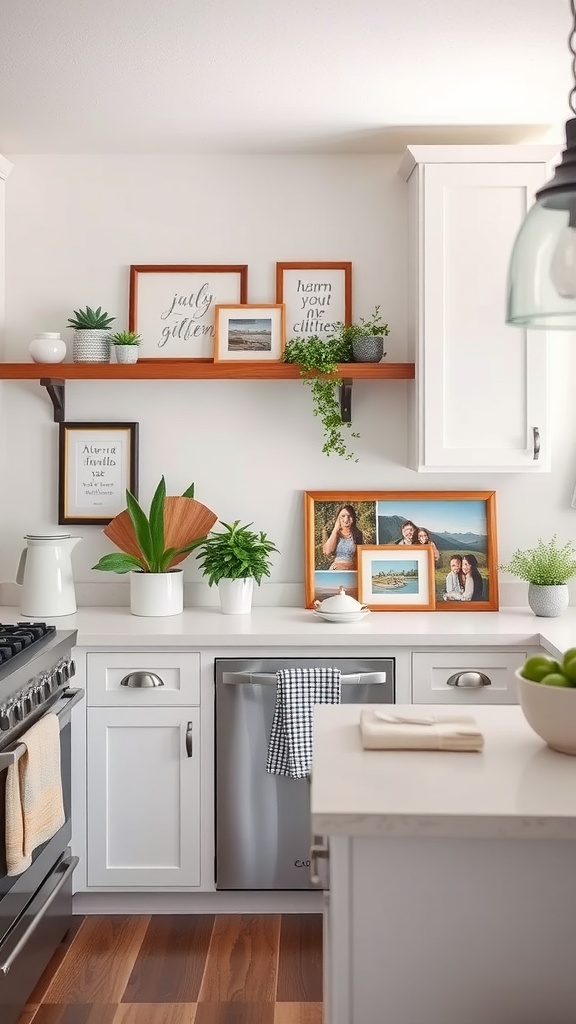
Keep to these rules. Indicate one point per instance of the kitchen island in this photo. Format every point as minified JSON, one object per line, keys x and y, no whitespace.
{"x":452,"y":876}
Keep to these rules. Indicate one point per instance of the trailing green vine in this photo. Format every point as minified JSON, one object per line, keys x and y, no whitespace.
{"x":319,"y":358}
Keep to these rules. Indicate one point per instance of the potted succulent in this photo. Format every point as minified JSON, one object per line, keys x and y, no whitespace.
{"x":547,"y":569}
{"x":125,"y":345}
{"x":153,"y":545}
{"x":319,"y":358}
{"x":233,"y":559}
{"x":91,"y":335}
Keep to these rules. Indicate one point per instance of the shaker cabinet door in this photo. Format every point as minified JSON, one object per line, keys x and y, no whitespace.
{"x":143,"y":799}
{"x":481,"y":384}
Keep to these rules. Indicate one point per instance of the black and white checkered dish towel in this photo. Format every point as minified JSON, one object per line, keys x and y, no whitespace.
{"x":290,"y":743}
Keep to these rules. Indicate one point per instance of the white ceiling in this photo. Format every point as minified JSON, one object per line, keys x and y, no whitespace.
{"x":187,"y":76}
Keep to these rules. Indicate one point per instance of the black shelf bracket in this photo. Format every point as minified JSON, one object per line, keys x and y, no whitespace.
{"x":56,"y":389}
{"x":346,"y":400}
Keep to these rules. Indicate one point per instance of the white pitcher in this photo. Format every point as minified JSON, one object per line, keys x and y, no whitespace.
{"x":45,"y":573}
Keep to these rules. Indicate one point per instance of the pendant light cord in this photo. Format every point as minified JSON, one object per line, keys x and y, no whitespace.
{"x":572,"y":47}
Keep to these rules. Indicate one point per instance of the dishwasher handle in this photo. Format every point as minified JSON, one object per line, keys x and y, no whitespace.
{"x":269,"y":678}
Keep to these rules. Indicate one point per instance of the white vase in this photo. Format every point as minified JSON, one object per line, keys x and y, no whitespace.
{"x":236,"y":596}
{"x":548,"y":601}
{"x":157,"y":593}
{"x":126,"y":353}
{"x":47,"y":347}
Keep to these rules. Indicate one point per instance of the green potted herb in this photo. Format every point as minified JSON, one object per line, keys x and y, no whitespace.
{"x":318,"y":359}
{"x":366,"y":337}
{"x":233,"y":559}
{"x":91,"y":335}
{"x":547,"y":569}
{"x":152,"y":547}
{"x":125,"y":345}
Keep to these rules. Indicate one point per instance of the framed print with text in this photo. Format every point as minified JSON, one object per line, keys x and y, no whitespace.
{"x":172,"y":307}
{"x":316,"y":296}
{"x":457,"y":529}
{"x":98,"y":462}
{"x":249,"y":332}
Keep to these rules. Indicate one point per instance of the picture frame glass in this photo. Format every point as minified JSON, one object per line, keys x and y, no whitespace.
{"x":459,"y":528}
{"x":173,"y":308}
{"x":97,"y":464}
{"x":316,"y":296}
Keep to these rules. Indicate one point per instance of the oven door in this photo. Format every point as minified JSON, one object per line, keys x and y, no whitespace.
{"x":35,"y":906}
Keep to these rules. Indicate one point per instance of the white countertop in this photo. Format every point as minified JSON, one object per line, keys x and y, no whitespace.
{"x":515,"y":787}
{"x":273,"y":626}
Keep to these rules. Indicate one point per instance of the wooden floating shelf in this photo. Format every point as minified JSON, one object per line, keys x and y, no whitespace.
{"x":194,"y":369}
{"x":53,"y":376}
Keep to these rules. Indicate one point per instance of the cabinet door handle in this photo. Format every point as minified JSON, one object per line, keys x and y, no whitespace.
{"x":536,"y":446}
{"x":469,"y":679}
{"x":189,"y":739}
{"x":317,"y":853}
{"x":142,"y":680}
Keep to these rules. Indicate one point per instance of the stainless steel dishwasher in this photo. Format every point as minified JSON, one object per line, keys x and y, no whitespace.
{"x":263,"y":821}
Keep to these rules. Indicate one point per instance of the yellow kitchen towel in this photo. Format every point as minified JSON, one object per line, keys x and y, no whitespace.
{"x":383,"y":730}
{"x":34,"y":803}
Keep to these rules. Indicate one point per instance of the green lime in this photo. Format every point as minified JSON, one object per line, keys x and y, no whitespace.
{"x":538,"y":666}
{"x":569,"y":665}
{"x":555,"y":679}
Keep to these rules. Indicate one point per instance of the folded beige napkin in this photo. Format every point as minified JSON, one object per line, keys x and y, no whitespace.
{"x":383,"y":730}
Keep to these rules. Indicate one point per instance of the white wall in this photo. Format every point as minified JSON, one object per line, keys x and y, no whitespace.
{"x":76,"y":223}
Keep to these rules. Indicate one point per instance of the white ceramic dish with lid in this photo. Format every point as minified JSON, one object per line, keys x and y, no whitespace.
{"x":340,"y":608}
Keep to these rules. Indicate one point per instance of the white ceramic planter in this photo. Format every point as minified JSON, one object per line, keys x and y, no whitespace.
{"x":126,"y":353}
{"x":157,"y":593}
{"x":548,"y":601}
{"x":236,"y":596}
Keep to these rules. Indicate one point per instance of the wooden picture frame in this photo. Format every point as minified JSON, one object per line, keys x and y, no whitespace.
{"x":316,"y":296}
{"x":97,"y":463}
{"x":396,"y":579}
{"x":454,"y":524}
{"x":172,"y":306}
{"x":249,"y":332}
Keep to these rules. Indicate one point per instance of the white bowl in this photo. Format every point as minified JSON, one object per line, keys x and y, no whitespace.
{"x":550,"y":711}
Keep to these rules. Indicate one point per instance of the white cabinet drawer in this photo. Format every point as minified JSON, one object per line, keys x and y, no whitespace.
{"x":179,"y":674}
{"x":440,"y":677}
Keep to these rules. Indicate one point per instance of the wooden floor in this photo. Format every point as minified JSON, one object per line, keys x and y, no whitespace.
{"x":184,"y":969}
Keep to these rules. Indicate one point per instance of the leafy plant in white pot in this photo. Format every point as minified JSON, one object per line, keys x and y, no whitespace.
{"x":547,"y":569}
{"x":233,"y":559}
{"x":151,"y":548}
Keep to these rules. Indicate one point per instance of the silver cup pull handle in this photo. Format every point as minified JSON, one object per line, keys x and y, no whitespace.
{"x":142,"y":680}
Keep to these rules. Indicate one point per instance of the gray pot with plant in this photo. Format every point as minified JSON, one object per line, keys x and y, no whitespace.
{"x":125,"y":345}
{"x":547,"y":569}
{"x":319,"y":359}
{"x":234,"y":559}
{"x":91,"y":335}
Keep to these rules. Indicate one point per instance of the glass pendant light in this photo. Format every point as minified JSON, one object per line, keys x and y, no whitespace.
{"x":542,"y":271}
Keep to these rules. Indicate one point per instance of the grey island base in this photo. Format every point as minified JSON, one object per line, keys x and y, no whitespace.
{"x":452,"y":876}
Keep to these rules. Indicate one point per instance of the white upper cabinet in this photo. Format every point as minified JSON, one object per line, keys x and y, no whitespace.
{"x":480,"y":394}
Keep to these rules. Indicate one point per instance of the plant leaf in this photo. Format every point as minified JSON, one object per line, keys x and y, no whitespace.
{"x":141,"y":528}
{"x":157,"y":523}
{"x":189,"y":493}
{"x":119,"y":562}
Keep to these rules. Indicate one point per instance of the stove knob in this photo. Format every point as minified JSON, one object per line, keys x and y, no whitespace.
{"x":37,"y":694}
{"x":4,"y":718}
{"x":18,"y":710}
{"x":29,"y":702}
{"x":46,"y":687}
{"x":71,"y":664}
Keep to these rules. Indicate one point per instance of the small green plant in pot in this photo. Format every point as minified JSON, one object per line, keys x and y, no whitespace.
{"x":233,"y":559}
{"x":318,"y":359}
{"x":91,"y":335}
{"x":547,"y":569}
{"x":125,"y":345}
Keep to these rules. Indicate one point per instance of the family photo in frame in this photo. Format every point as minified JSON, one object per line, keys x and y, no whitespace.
{"x":349,"y":537}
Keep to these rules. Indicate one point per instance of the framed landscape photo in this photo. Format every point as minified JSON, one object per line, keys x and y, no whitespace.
{"x":457,"y":527}
{"x":98,"y":462}
{"x":316,"y":296}
{"x":249,"y":332}
{"x":172,"y":307}
{"x":396,"y":578}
